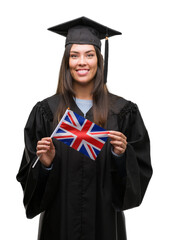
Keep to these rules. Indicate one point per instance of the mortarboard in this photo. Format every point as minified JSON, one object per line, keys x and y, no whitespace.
{"x":86,"y":31}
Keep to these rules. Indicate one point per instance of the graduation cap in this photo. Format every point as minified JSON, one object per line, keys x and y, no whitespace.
{"x":86,"y":31}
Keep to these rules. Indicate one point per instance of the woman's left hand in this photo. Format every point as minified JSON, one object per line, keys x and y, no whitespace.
{"x":118,"y":141}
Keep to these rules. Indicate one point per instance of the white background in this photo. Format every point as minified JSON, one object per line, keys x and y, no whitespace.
{"x":138,"y":70}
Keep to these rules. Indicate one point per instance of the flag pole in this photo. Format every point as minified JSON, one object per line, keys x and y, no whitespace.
{"x":52,"y":134}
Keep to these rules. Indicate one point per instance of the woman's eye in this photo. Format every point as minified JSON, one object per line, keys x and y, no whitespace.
{"x":73,"y":56}
{"x":90,"y":55}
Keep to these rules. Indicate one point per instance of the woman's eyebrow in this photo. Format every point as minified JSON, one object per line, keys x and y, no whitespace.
{"x":90,"y":51}
{"x":74,"y":52}
{"x":79,"y":52}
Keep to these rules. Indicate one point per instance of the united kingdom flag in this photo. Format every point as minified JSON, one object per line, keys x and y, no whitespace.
{"x":80,"y":134}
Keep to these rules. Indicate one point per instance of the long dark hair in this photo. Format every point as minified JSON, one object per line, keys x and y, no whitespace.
{"x":100,"y":92}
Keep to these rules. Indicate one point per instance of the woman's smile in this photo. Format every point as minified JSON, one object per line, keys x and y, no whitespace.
{"x":82,"y":72}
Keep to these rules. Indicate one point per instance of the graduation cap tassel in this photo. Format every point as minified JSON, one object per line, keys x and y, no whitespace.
{"x":106,"y":53}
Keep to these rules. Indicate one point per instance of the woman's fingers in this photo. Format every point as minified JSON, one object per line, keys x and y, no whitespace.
{"x":116,"y":134}
{"x":42,"y":146}
{"x":45,"y":143}
{"x":45,"y":150}
{"x":118,"y":141}
{"x":120,"y":144}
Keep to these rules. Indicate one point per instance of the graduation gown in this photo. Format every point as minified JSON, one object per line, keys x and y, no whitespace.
{"x":82,"y":199}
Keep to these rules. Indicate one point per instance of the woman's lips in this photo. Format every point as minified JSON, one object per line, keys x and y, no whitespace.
{"x":82,"y":72}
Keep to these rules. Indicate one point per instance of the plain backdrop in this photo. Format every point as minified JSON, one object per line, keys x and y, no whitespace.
{"x":138,"y":70}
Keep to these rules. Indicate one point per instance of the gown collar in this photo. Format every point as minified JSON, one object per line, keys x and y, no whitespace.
{"x":73,"y":106}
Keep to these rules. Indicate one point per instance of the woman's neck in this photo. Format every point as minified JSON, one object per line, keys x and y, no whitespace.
{"x":82,"y":91}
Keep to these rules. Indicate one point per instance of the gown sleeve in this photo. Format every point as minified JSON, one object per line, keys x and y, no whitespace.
{"x":138,"y":170}
{"x":34,"y":180}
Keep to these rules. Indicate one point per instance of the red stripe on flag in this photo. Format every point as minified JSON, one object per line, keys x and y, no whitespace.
{"x":71,"y":119}
{"x":65,"y":136}
{"x":92,"y":152}
{"x":99,"y":133}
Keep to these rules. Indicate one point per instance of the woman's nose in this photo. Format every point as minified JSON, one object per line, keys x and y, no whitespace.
{"x":82,"y":60}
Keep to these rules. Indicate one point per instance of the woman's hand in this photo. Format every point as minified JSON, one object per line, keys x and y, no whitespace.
{"x":118,"y":141}
{"x":46,"y":151}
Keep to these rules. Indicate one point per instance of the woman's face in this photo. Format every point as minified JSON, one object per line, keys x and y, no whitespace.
{"x":83,"y":63}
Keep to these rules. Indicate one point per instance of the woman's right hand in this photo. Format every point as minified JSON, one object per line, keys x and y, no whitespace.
{"x":46,"y":151}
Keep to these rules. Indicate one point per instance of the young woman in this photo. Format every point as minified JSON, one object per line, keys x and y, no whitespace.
{"x":80,"y":198}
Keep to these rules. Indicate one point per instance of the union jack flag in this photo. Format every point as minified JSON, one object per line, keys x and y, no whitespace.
{"x":80,"y":134}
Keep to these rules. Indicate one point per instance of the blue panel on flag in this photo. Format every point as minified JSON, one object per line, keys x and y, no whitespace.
{"x":83,"y":150}
{"x":80,"y":118}
{"x":60,"y":131}
{"x":67,"y":141}
{"x":96,"y":151}
{"x":97,"y":128}
{"x":67,"y":119}
{"x":103,"y":138}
